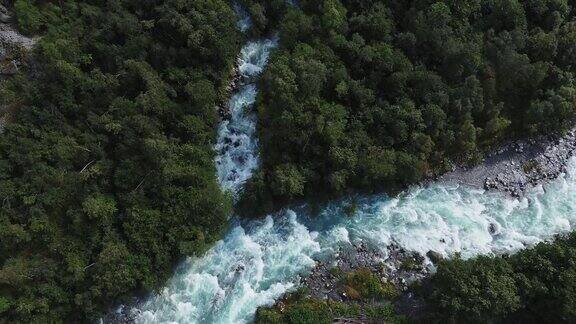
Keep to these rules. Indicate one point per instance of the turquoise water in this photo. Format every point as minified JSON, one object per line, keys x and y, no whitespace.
{"x":259,"y":261}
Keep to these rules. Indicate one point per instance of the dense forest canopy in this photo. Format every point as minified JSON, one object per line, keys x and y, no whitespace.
{"x":107,"y":173}
{"x":537,"y":285}
{"x":379,"y":94}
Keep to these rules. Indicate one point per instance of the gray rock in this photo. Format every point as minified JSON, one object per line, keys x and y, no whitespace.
{"x":4,"y":18}
{"x":434,"y":256}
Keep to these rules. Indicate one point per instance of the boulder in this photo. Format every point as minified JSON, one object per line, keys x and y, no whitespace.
{"x":4,"y":18}
{"x":434,"y":256}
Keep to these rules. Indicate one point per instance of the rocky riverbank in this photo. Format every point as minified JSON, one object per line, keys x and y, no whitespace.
{"x":397,"y":266}
{"x":518,"y":166}
{"x":396,"y":269}
{"x":223,"y":108}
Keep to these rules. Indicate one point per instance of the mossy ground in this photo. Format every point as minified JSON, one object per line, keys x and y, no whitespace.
{"x":367,"y":298}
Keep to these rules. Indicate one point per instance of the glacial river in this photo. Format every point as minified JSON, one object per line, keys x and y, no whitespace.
{"x":258,"y":262}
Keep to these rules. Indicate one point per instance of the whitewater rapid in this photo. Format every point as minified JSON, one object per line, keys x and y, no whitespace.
{"x":237,"y":143}
{"x":257,"y":262}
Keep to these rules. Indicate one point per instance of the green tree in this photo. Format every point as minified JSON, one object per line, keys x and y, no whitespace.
{"x":106,"y":166}
{"x":288,"y":181}
{"x":479,"y":290}
{"x":428,"y":82}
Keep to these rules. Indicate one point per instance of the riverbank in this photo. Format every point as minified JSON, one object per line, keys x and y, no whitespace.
{"x":517,"y":166}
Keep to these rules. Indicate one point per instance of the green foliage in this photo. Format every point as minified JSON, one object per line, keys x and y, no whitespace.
{"x":266,"y":15}
{"x":268,"y":315}
{"x":534,"y":285}
{"x":478,"y":290}
{"x":363,"y":284}
{"x":34,"y":16}
{"x":379,"y":94}
{"x":309,"y":312}
{"x":372,"y":302}
{"x":287,"y":180}
{"x":106,"y":168}
{"x":4,"y":304}
{"x":314,"y":311}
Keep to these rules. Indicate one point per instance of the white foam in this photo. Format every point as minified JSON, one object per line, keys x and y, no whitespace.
{"x":244,"y":21}
{"x":237,"y":143}
{"x":244,"y":271}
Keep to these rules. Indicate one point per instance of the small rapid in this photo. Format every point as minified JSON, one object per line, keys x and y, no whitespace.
{"x":237,"y":143}
{"x":258,"y":261}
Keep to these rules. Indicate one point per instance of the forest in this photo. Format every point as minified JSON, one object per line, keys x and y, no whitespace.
{"x":377,"y":95}
{"x":537,"y":285}
{"x":107,"y":174}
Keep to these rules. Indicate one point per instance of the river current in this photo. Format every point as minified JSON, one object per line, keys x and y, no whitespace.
{"x":257,"y":262}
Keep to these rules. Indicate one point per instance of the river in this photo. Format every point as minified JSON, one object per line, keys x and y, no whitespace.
{"x":257,"y":262}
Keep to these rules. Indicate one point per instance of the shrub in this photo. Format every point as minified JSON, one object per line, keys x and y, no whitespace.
{"x":363,"y":284}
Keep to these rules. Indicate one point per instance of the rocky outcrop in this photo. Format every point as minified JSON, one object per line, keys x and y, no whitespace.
{"x":394,"y":266}
{"x":235,"y":82}
{"x":520,"y":165}
{"x":397,"y":266}
{"x":434,"y":257}
{"x":525,"y":172}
